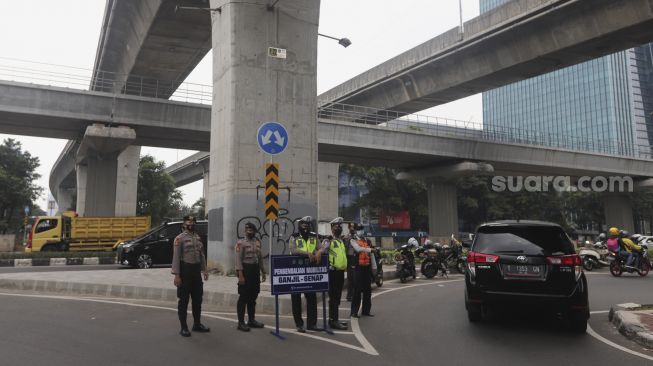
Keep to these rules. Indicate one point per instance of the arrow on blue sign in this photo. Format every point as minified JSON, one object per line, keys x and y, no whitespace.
{"x":272,"y":138}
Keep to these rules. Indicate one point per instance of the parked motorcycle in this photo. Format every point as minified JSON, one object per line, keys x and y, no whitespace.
{"x":642,"y":264}
{"x":430,"y":260}
{"x":405,"y":261}
{"x":594,"y":257}
{"x":378,"y":276}
{"x":453,"y":258}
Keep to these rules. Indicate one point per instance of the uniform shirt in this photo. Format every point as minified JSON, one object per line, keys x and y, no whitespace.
{"x":248,"y":252}
{"x":347,"y":239}
{"x":358,"y":249}
{"x":187,"y":249}
{"x":293,"y":248}
{"x":326,"y":244}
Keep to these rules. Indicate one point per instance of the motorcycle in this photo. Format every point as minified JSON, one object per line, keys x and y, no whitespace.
{"x":430,"y":260}
{"x":453,"y":258}
{"x":594,"y":257}
{"x":642,"y":264}
{"x":378,"y":276}
{"x":405,"y":260}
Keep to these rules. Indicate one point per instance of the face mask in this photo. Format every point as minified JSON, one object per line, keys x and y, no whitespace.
{"x":360,"y":232}
{"x":337,"y":231}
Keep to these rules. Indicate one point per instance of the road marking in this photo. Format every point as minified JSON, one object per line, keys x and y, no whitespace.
{"x":591,"y":332}
{"x":367,"y":348}
{"x":414,"y":285}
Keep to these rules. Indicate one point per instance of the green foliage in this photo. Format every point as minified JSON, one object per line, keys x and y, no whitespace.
{"x":198,"y":209}
{"x":157,"y":193}
{"x":389,"y":194}
{"x":17,"y":185}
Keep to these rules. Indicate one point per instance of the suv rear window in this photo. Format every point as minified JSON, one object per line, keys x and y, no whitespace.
{"x":530,"y":240}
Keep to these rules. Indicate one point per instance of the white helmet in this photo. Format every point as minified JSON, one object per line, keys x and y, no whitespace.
{"x":428,"y":242}
{"x":413,"y":242}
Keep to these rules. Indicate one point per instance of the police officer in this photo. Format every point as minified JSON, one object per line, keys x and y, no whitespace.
{"x":188,"y":265}
{"x":351,"y":258}
{"x":304,"y":244}
{"x":335,"y":246}
{"x":365,"y":266}
{"x":249,"y":265}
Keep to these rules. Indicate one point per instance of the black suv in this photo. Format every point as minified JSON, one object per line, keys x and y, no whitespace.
{"x":529,"y":264}
{"x":155,"y":246}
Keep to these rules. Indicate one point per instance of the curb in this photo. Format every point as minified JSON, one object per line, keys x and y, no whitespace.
{"x":628,"y":323}
{"x":44,"y":262}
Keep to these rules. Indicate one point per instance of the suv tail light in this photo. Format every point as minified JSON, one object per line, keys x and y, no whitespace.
{"x":571,"y":260}
{"x":481,"y":258}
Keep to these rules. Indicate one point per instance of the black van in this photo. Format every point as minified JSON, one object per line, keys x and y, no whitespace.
{"x":155,"y":246}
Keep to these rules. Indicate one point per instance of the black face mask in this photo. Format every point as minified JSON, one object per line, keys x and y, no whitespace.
{"x":189,"y":227}
{"x":304,"y":229}
{"x":337,"y":231}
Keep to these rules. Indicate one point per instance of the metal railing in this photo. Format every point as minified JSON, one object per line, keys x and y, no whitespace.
{"x":438,"y":126}
{"x":103,"y":81}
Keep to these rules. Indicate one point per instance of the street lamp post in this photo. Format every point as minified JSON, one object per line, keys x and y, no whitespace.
{"x":344,"y":42}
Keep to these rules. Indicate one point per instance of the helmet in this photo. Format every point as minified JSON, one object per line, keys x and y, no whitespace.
{"x":437,"y":246}
{"x":624,"y":234}
{"x":636,"y":237}
{"x":613,"y":231}
{"x":413,"y":242}
{"x":428,"y":242}
{"x":602,"y":236}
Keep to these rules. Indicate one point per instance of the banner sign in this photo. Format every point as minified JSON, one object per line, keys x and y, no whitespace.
{"x":294,"y":274}
{"x":394,"y":220}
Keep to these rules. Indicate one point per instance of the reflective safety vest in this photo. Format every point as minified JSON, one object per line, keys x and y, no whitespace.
{"x":306,"y":247}
{"x":363,"y":258}
{"x":337,"y":254}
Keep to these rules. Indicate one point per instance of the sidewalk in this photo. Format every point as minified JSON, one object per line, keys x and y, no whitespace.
{"x":143,"y":284}
{"x":634,"y":321}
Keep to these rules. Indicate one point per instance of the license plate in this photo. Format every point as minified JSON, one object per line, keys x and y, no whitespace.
{"x":523,"y":270}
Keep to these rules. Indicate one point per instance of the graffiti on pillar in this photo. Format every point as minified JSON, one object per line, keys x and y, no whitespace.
{"x":281,"y":230}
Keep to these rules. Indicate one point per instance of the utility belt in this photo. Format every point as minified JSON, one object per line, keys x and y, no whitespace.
{"x":334,"y":269}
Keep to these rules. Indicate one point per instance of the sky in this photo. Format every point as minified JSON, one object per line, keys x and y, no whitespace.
{"x":40,"y":34}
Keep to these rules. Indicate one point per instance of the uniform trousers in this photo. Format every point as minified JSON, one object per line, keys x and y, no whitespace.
{"x":336,"y":282}
{"x":311,"y":309}
{"x":191,"y":287}
{"x":362,"y":288}
{"x":248,"y":292}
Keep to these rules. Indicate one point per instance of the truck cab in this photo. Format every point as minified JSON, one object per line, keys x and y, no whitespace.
{"x":47,"y":234}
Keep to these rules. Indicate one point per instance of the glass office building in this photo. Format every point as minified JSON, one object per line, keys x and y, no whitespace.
{"x":602,"y":105}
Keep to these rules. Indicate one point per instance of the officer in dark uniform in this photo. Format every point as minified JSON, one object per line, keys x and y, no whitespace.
{"x":249,"y":266}
{"x":336,"y":248}
{"x":188,"y":265}
{"x":304,"y":244}
{"x":351,"y":258}
{"x":365,"y":266}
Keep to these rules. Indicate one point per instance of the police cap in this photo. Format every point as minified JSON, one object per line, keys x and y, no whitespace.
{"x":336,"y":221}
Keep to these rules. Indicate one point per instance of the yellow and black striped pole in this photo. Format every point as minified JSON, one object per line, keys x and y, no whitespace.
{"x":271,"y":191}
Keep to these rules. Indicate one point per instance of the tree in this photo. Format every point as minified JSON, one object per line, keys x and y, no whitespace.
{"x":158,"y":196}
{"x":198,"y":209}
{"x":17,"y":184}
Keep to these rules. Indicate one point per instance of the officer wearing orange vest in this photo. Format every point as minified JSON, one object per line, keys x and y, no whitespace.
{"x":365,"y":266}
{"x":304,"y":244}
{"x":336,"y":248}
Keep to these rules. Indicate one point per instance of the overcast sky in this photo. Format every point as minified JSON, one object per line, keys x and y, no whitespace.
{"x":37,"y":34}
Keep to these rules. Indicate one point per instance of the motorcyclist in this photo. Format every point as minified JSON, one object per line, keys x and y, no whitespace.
{"x":628,"y":248}
{"x":636,"y":249}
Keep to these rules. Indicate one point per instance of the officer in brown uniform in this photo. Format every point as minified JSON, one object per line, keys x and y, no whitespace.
{"x":188,"y":265}
{"x":249,"y":265}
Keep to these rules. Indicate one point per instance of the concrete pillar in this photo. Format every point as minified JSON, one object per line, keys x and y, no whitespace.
{"x":205,"y":186}
{"x":127,"y":181}
{"x":64,"y":198}
{"x":80,"y":171}
{"x":250,"y":88}
{"x":443,"y":209}
{"x":327,"y":194}
{"x":97,"y":168}
{"x":618,"y":211}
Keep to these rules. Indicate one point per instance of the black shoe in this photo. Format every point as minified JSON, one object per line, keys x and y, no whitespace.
{"x":314,"y":328}
{"x":255,"y":324}
{"x":301,"y":329}
{"x":337,"y":326}
{"x":201,"y":328}
{"x":184,"y":332}
{"x":354,"y":315}
{"x":368,"y":314}
{"x":242,"y":326}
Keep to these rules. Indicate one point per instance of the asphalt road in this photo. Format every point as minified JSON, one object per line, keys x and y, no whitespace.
{"x":66,"y":268}
{"x":419,"y":323}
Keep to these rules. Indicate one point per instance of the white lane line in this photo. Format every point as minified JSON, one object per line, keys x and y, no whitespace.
{"x":414,"y":285}
{"x":367,"y":346}
{"x":591,"y":332}
{"x":371,"y":351}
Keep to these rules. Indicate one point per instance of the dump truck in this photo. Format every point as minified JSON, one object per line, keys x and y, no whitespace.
{"x":74,"y":233}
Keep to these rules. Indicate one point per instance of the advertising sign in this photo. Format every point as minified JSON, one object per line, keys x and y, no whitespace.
{"x":295,"y":274}
{"x":394,"y":220}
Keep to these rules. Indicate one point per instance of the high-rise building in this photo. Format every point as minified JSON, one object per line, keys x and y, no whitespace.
{"x":602,"y":105}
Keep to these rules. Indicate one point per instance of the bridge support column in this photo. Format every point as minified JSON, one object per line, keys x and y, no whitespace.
{"x":251,"y":87}
{"x":443,"y":209}
{"x":618,"y":211}
{"x":327,"y":195}
{"x":65,"y":198}
{"x":127,"y":181}
{"x":97,"y":169}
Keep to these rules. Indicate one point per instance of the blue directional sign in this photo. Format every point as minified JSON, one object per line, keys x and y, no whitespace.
{"x":272,"y":138}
